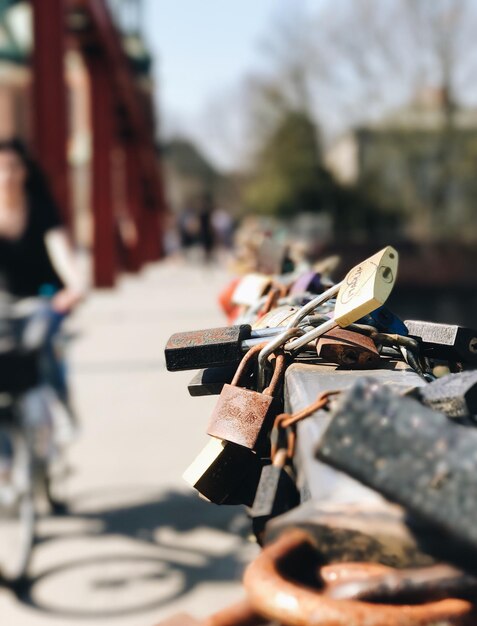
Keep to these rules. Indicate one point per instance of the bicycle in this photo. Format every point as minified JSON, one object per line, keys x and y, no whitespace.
{"x":29,"y":443}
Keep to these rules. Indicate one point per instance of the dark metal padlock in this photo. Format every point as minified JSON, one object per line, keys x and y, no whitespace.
{"x":445,"y":341}
{"x":211,"y":381}
{"x":276,"y":492}
{"x":455,"y":394}
{"x":243,"y":415}
{"x":212,"y":347}
{"x":412,"y":455}
{"x":348,"y":348}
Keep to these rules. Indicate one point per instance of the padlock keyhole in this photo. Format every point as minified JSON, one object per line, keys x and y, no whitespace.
{"x":350,"y":357}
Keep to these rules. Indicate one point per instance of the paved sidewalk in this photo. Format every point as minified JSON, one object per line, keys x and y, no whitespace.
{"x":139,"y":545}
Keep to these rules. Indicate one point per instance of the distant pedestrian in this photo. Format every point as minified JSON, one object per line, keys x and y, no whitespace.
{"x":189,"y":229}
{"x":207,"y":237}
{"x":224,"y":228}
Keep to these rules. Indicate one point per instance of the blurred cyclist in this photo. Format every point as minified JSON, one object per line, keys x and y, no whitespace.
{"x":36,"y":257}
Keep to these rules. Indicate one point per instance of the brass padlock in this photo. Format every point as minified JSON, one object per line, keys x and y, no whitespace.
{"x":224,"y":473}
{"x":348,"y":348}
{"x":242,"y":415}
{"x":365,"y":288}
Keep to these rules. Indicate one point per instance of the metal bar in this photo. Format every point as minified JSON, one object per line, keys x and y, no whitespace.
{"x":50,"y":118}
{"x":275,"y":595}
{"x":104,"y":248}
{"x":132,"y":100}
{"x":134,"y":202}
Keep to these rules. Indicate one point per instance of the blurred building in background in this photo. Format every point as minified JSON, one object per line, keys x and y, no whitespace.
{"x":16,"y":42}
{"x":419,"y":161}
{"x":75,"y":84}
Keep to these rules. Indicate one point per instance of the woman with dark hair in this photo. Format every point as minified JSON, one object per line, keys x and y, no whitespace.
{"x":35,"y":253}
{"x":36,"y":257}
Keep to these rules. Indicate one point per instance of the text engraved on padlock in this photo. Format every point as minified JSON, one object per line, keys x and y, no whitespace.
{"x":359,"y":278}
{"x":436,"y":333}
{"x":366,"y":287}
{"x":239,"y":415}
{"x":208,"y":336}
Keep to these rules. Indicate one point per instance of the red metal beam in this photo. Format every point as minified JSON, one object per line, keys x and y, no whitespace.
{"x":135,"y":129}
{"x":102,"y":115}
{"x":50,"y":117}
{"x":128,"y":92}
{"x":135,"y":203}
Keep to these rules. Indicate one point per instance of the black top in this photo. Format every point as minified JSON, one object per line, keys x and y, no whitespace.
{"x":24,"y":262}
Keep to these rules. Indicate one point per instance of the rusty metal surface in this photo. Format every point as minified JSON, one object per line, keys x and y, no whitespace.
{"x":239,"y":415}
{"x":376,"y":532}
{"x":348,"y":348}
{"x":371,"y":582}
{"x":299,"y":604}
{"x":246,"y":363}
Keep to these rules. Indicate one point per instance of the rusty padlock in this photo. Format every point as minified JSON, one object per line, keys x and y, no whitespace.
{"x":242,"y":415}
{"x":348,"y":348}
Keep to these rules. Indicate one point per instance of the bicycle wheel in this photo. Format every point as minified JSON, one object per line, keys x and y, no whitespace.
{"x":17,"y":509}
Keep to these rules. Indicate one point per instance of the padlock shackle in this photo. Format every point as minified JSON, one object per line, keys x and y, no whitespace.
{"x":309,"y":307}
{"x":245,"y":363}
{"x":278,"y":372}
{"x":311,"y":335}
{"x":270,"y":347}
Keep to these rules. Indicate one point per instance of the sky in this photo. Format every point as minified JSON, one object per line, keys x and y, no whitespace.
{"x":203,"y":48}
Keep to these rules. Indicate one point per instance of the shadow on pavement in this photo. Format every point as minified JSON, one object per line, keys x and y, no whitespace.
{"x":177,"y":565}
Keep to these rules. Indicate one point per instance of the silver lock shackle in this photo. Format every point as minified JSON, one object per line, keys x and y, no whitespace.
{"x":292,"y":329}
{"x":311,"y":335}
{"x":270,"y":348}
{"x":309,"y":307}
